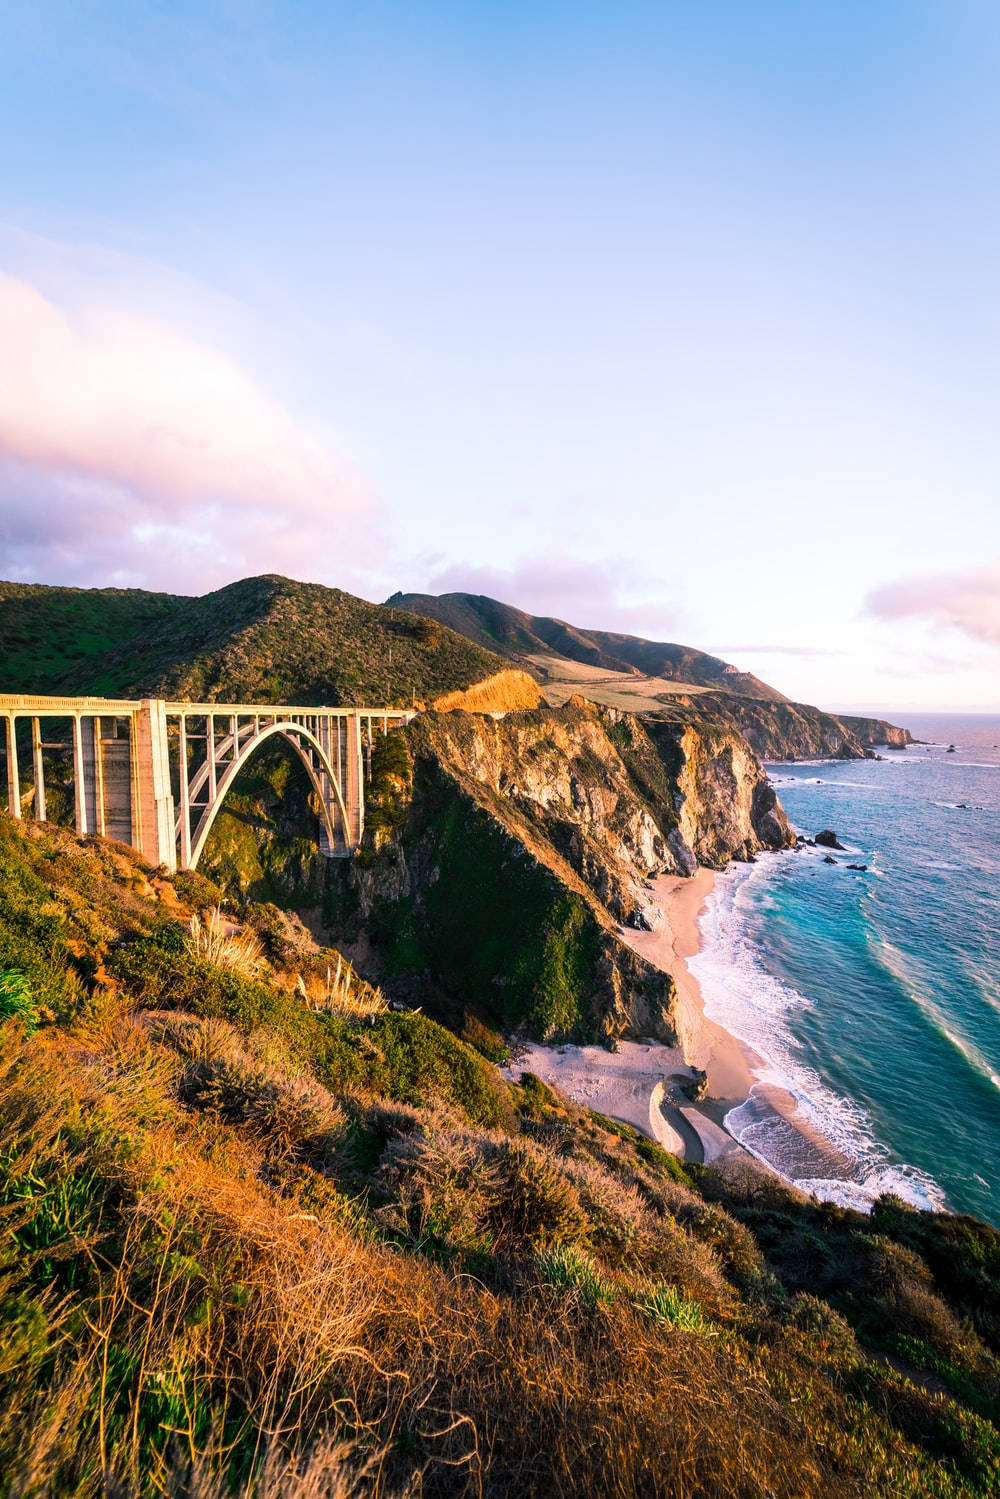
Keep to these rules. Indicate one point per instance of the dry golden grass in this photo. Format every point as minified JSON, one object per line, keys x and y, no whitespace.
{"x":341,"y":992}
{"x":214,"y":939}
{"x":260,"y":1336}
{"x":505,"y":692}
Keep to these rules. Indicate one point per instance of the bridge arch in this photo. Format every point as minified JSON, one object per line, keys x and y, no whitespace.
{"x":306,"y":745}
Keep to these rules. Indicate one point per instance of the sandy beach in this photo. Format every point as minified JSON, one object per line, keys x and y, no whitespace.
{"x":643,"y":1082}
{"x":675,"y":939}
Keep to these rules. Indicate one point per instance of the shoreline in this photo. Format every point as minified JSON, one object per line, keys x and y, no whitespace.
{"x":643,"y":1083}
{"x":728,"y":1063}
{"x":738,"y":1076}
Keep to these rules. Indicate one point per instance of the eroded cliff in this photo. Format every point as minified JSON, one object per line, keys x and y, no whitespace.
{"x":503,"y":855}
{"x":793,"y":731}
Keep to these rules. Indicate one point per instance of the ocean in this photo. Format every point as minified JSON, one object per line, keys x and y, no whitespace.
{"x":874,"y":996}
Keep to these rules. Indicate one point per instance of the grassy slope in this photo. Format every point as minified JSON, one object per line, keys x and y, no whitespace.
{"x":249,"y":1248}
{"x":647,"y":676}
{"x":49,"y":636}
{"x":265,"y":639}
{"x":521,"y":636}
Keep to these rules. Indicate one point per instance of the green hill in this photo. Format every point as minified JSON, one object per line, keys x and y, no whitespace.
{"x":521,"y":636}
{"x":265,"y":639}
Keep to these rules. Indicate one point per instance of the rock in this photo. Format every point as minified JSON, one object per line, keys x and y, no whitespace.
{"x":696,"y":1086}
{"x":861,"y":867}
{"x":951,"y":749}
{"x":830,"y":859}
{"x":828,"y":839}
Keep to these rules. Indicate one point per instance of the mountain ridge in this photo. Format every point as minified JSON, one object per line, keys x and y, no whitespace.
{"x":521,"y":635}
{"x":706,"y":686}
{"x":260,"y":639}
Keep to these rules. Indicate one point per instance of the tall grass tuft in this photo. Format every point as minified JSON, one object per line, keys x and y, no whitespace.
{"x":342,"y":993}
{"x":242,"y":952}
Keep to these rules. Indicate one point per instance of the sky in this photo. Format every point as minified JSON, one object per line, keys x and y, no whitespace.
{"x":681,"y":319}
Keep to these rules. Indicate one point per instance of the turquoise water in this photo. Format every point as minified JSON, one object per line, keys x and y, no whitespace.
{"x":875,"y":997}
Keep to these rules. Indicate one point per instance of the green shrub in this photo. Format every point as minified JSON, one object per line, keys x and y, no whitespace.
{"x":406,"y":1057}
{"x":666,"y":1304}
{"x":566,"y":1267}
{"x":16,"y":998}
{"x":662,"y":1162}
{"x":489,"y":1043}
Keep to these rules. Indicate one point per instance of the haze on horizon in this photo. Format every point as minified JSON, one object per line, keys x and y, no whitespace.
{"x":669,"y":319}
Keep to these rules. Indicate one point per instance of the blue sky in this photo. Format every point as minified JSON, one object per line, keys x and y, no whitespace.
{"x":680,"y":319}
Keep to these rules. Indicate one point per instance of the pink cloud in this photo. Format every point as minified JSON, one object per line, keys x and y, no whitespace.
{"x":586,"y":594}
{"x":966,"y":600}
{"x":126,"y":446}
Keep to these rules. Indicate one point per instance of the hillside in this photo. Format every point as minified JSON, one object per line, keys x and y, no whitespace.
{"x":51,"y":636}
{"x":651,"y":677}
{"x":265,"y":639}
{"x":549,"y":823}
{"x":522,"y":636}
{"x":266,"y":1236}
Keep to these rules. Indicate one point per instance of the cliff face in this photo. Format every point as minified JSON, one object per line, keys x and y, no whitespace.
{"x":503,"y":855}
{"x":795,"y":731}
{"x":874,"y":733}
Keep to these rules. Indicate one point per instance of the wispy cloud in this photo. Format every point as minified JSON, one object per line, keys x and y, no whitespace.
{"x":591,"y":595}
{"x":129,"y":450}
{"x":772,"y":650}
{"x":966,"y":600}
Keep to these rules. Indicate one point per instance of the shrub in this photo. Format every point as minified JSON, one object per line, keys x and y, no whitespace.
{"x":474,"y":1190}
{"x":489,"y":1043}
{"x":666,"y":1304}
{"x":16,"y":998}
{"x":566,"y":1267}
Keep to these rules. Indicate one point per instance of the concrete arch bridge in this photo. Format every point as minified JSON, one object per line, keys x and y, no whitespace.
{"x":154,"y":774}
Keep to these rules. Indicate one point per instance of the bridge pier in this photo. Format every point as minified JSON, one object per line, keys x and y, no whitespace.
{"x":152,"y":801}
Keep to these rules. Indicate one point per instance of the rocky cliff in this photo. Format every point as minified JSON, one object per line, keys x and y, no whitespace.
{"x":503,"y":855}
{"x":791,"y":731}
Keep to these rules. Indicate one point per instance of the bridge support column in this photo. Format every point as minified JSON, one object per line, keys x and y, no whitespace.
{"x":354,"y":797}
{"x":324,"y":734}
{"x":152,"y":799}
{"x":13,"y":779}
{"x":36,"y":760}
{"x":88,"y":775}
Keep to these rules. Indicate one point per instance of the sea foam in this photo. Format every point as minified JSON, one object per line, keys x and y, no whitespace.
{"x":752,"y":1004}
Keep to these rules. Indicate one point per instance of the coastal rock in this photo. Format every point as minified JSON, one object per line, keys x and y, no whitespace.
{"x":828,"y":839}
{"x":830,"y":859}
{"x":694,"y":1087}
{"x":796,"y":731}
{"x":725,"y":806}
{"x":500,"y":868}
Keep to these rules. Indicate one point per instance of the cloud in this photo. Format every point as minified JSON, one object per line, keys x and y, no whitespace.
{"x":590,"y":595}
{"x":129,"y":450}
{"x":966,"y":600}
{"x":772,"y":650}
